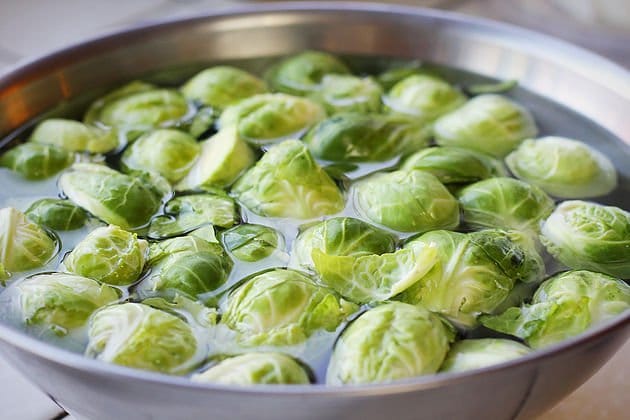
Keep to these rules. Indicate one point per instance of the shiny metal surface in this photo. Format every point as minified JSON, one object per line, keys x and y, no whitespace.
{"x":552,"y":69}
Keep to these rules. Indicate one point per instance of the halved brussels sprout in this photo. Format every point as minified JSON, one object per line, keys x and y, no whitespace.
{"x":74,"y":136}
{"x":505,"y":203}
{"x":110,"y":255}
{"x":221,"y":86}
{"x":122,"y":200}
{"x":171,"y":153}
{"x":399,"y":71}
{"x":389,"y":342}
{"x":491,"y":124}
{"x":424,"y":97}
{"x":482,"y":352}
{"x":347,"y":93}
{"x":139,"y":336}
{"x":303,"y":73}
{"x":283,"y":307}
{"x":265,"y":118}
{"x":564,"y":306}
{"x":563,"y":167}
{"x":287,"y":182}
{"x":36,"y":161}
{"x":223,"y":158}
{"x":251,"y":242}
{"x":255,"y":368}
{"x":589,"y":236}
{"x":57,"y":214}
{"x":61,"y":301}
{"x":353,"y":137}
{"x":406,"y":201}
{"x":455,"y":165}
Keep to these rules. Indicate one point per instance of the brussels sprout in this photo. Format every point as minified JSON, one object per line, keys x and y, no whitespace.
{"x":221,"y":86}
{"x":139,"y":336}
{"x":407,"y":201}
{"x":343,"y":236}
{"x":347,"y":93}
{"x":36,"y":161}
{"x":110,"y":255}
{"x":269,"y":117}
{"x":491,"y":124}
{"x":564,"y":306}
{"x":454,"y":165}
{"x":479,"y":353}
{"x":251,"y":242}
{"x":302,"y":73}
{"x":505,"y":203}
{"x":474,"y":273}
{"x":563,"y":167}
{"x":57,"y":214}
{"x":255,"y":368}
{"x":283,"y":307}
{"x":74,"y":136}
{"x":389,"y":342}
{"x":122,"y":200}
{"x":171,"y":153}
{"x":396,"y":73}
{"x":424,"y":97}
{"x":354,"y":137}
{"x":23,"y":244}
{"x":223,"y":158}
{"x":287,"y":182}
{"x":589,"y":236}
{"x":61,"y":301}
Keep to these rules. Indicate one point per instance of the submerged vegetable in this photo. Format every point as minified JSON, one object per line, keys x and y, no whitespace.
{"x":57,"y":214}
{"x":35,"y":161}
{"x":347,"y":93}
{"x":251,"y":242}
{"x":74,"y":136}
{"x":482,"y":352}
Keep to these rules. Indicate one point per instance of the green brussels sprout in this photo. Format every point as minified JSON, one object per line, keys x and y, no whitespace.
{"x":424,"y":97}
{"x":221,"y":86}
{"x":347,"y":93}
{"x":406,"y":201}
{"x":122,"y":200}
{"x":353,"y":137}
{"x":563,"y":167}
{"x":255,"y":368}
{"x":389,"y":342}
{"x":265,"y":118}
{"x":139,"y":336}
{"x":61,"y":301}
{"x":35,"y":161}
{"x":223,"y":158}
{"x":251,"y":242}
{"x":589,"y":236}
{"x":171,"y":153}
{"x":482,"y":352}
{"x":74,"y":136}
{"x":564,"y":306}
{"x":343,"y":236}
{"x":474,"y":273}
{"x":283,"y":307}
{"x":24,"y":245}
{"x":455,"y":165}
{"x":399,"y":71}
{"x":287,"y":182}
{"x":110,"y":255}
{"x":303,"y":73}
{"x":505,"y":203}
{"x":57,"y":214}
{"x":491,"y":124}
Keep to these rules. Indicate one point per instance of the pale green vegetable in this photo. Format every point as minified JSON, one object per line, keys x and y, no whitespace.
{"x":74,"y":136}
{"x":491,"y":124}
{"x":35,"y":161}
{"x":389,"y":342}
{"x":287,"y":182}
{"x":563,"y":167}
{"x":407,"y":201}
{"x":251,"y":242}
{"x":255,"y":368}
{"x":398,"y":72}
{"x":564,"y":306}
{"x":57,"y":214}
{"x":139,"y":336}
{"x":589,"y":236}
{"x":110,"y":255}
{"x":347,"y":93}
{"x":221,"y":86}
{"x":482,"y":352}
{"x":283,"y":307}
